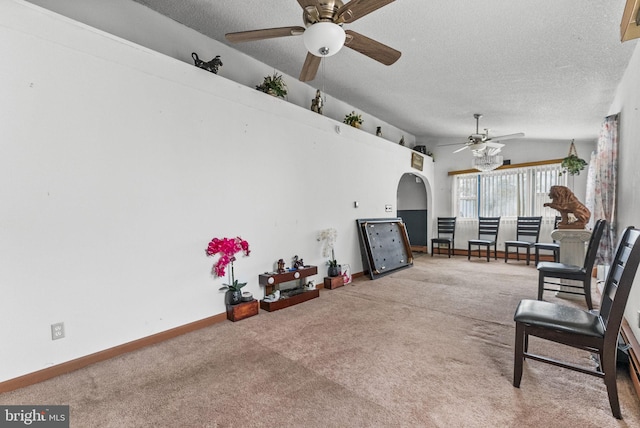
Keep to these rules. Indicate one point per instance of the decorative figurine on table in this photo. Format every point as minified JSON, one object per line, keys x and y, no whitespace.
{"x":211,"y":66}
{"x":316,"y":103}
{"x":273,"y":297}
{"x":281,"y":266}
{"x":297,"y":262}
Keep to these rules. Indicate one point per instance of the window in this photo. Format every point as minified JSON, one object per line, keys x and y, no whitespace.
{"x":508,"y":192}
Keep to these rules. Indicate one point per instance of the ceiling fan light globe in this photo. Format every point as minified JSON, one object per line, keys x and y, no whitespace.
{"x":478,"y":147}
{"x":324,"y":39}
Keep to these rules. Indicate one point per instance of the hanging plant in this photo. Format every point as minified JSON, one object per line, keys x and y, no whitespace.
{"x":573,"y":164}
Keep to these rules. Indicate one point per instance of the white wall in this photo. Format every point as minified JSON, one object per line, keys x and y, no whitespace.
{"x":411,"y":192}
{"x":627,"y":103}
{"x":119,"y":164}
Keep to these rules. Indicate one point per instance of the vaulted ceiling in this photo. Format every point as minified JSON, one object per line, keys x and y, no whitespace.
{"x":547,"y":68}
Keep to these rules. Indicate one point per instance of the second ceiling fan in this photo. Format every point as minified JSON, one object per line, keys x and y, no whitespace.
{"x":481,"y":144}
{"x":324,"y":36}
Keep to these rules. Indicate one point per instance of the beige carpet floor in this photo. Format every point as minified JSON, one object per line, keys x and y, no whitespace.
{"x":428,"y":346}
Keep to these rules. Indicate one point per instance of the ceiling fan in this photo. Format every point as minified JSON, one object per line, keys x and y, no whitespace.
{"x":481,"y":144}
{"x":324,"y":35}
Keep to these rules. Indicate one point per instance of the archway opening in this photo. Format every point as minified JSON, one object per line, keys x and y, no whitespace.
{"x":412,"y":208}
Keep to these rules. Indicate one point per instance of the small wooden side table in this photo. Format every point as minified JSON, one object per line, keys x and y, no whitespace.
{"x":333,"y":282}
{"x":242,"y":310}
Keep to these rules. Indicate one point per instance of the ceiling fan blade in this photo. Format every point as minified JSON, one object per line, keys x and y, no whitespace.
{"x":507,"y":137}
{"x":356,"y":9}
{"x":371,"y":48}
{"x":310,"y":67}
{"x":267,"y":33}
{"x":494,"y":145}
{"x":461,"y":149}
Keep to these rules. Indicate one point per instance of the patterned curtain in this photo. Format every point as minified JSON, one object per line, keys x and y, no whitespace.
{"x":605,"y":173}
{"x":590,"y":197}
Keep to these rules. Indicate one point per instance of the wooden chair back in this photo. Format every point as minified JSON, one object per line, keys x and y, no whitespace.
{"x":488,"y":228}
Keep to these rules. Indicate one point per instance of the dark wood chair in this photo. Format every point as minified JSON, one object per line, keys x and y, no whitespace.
{"x":527,"y":234}
{"x":487,"y":236}
{"x":548,"y":246}
{"x":572,"y":272}
{"x":446,"y":235}
{"x":592,"y":331}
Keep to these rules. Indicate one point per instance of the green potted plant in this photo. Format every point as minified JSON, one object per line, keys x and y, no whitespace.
{"x":273,"y":85}
{"x":573,"y":164}
{"x":353,"y":119}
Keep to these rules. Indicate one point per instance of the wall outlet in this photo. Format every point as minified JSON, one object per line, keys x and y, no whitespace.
{"x":387,"y":208}
{"x":57,"y":331}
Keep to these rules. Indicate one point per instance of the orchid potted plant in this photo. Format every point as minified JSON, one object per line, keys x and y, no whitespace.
{"x":227,"y":248}
{"x":328,"y":236}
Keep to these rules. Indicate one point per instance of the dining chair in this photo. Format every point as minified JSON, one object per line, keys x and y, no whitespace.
{"x":487,"y":236}
{"x":446,"y":235}
{"x":554,"y":247}
{"x":527,"y":234}
{"x":592,"y":331}
{"x":572,"y":272}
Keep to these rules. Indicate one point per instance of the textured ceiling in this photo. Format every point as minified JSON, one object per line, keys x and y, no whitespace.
{"x":548,"y":68}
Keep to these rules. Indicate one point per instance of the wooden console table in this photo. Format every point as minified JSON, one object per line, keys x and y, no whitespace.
{"x":272,"y":280}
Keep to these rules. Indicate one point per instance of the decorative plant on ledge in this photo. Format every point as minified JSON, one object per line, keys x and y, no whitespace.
{"x":328,"y":236}
{"x":353,"y":119}
{"x":273,"y":85}
{"x":227,"y":248}
{"x":572,"y":164}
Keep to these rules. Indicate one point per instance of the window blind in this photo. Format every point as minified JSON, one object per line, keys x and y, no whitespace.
{"x":508,"y":193}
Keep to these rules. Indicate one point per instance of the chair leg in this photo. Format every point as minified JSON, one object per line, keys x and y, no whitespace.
{"x":506,"y":252}
{"x":449,"y":250}
{"x":495,"y":251}
{"x":540,"y":285}
{"x":528,"y":255}
{"x":469,"y":252}
{"x":431,"y":248}
{"x":518,"y":354}
{"x":488,"y":252}
{"x":537,"y":256}
{"x":608,"y":366}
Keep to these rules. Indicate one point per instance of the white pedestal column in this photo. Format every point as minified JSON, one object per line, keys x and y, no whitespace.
{"x":572,"y":251}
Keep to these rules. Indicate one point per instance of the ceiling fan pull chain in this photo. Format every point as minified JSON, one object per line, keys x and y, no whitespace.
{"x":324,"y":60}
